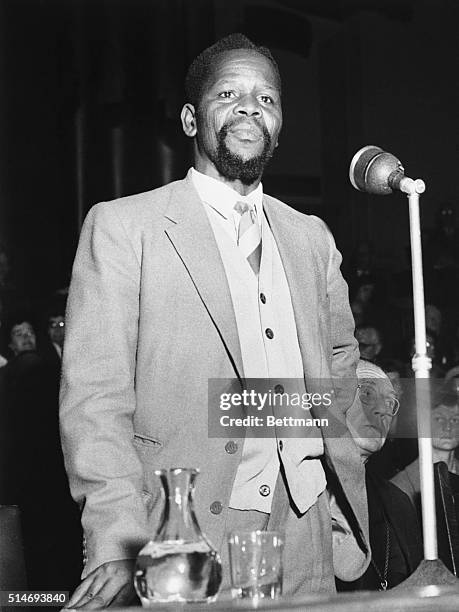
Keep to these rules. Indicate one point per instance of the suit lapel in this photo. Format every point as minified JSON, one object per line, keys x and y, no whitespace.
{"x":193,"y":239}
{"x":301,"y":271}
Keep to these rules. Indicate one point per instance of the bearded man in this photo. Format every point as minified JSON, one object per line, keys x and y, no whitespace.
{"x":204,"y":279}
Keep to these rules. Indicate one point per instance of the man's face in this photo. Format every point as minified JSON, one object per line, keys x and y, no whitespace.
{"x":445,"y":427}
{"x":369,"y":342}
{"x":370,"y":424}
{"x":365,"y":293}
{"x":239,"y":116}
{"x":56,"y":329}
{"x":22,"y":338}
{"x":433,"y":318}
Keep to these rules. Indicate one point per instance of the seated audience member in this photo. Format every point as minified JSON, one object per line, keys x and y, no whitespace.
{"x":400,"y":447}
{"x":55,"y":332}
{"x":452,"y":379}
{"x":370,"y":343}
{"x":362,"y":300}
{"x":36,"y":477}
{"x":433,"y":319}
{"x":22,"y":337}
{"x":444,"y":353}
{"x":394,"y":530}
{"x":445,"y":440}
{"x":363,"y":271}
{"x":361,"y":262}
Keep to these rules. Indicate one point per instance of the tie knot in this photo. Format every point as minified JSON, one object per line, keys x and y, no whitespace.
{"x":241,"y":207}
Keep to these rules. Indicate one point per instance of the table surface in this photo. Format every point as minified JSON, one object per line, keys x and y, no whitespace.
{"x":418,"y":599}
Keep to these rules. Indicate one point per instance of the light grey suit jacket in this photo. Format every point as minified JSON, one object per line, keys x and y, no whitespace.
{"x":149,"y":321}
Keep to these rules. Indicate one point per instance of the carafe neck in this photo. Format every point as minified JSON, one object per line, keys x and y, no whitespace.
{"x":178,"y":521}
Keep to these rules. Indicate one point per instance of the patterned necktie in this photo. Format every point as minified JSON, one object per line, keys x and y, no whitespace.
{"x":248,"y":235}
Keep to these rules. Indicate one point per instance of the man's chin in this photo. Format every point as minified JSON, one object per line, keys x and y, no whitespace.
{"x":247,"y":150}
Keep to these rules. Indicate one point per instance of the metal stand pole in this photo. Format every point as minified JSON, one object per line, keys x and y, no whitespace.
{"x":432,"y":575}
{"x":421,"y":366}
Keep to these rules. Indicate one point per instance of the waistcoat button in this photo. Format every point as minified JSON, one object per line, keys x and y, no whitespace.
{"x":231,"y":447}
{"x":216,"y":507}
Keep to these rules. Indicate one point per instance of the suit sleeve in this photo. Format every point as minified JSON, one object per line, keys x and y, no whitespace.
{"x":97,"y":399}
{"x":345,"y":347}
{"x":351,"y":553}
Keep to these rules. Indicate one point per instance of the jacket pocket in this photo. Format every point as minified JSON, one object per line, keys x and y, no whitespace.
{"x":144,"y":441}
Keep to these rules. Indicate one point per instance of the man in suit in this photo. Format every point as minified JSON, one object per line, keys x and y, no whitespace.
{"x":208,"y":279}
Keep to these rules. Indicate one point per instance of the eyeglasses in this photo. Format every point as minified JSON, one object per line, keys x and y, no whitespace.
{"x":370,"y":398}
{"x":56,"y":324}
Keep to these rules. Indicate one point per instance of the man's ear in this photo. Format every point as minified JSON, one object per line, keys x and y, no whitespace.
{"x":188,"y":118}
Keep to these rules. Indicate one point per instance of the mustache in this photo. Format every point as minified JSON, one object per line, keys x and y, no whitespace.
{"x":226,"y":127}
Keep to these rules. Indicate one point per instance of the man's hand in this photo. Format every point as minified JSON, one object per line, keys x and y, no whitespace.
{"x":111,"y":584}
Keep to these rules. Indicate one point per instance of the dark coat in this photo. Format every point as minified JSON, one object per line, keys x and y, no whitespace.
{"x":405,"y":551}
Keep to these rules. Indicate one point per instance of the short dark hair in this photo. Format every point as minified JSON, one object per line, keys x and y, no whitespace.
{"x":443,"y":394}
{"x":201,"y":67}
{"x":18,"y":318}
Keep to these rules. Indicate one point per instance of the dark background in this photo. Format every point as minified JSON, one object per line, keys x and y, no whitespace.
{"x":91,"y":91}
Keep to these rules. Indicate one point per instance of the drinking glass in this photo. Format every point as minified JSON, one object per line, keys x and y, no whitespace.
{"x":256,"y":564}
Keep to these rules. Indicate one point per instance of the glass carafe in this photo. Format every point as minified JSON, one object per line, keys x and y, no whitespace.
{"x":180,"y":564}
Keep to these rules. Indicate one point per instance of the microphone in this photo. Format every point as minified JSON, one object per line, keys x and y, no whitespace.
{"x":375,"y":171}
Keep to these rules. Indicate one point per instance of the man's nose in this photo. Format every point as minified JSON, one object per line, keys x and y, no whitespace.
{"x":248,"y":105}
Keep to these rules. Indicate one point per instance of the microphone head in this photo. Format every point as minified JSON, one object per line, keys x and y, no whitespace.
{"x":375,"y":171}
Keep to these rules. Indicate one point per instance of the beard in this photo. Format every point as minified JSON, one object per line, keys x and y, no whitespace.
{"x":232,"y":166}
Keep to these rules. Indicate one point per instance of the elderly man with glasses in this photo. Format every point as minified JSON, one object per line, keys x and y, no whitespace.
{"x":394,"y":530}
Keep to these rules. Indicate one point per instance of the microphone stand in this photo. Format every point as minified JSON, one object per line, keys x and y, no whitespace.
{"x":421,"y":366}
{"x":431,"y":571}
{"x":376,"y":171}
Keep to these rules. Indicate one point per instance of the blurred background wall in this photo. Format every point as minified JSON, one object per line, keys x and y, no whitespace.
{"x":91,"y":91}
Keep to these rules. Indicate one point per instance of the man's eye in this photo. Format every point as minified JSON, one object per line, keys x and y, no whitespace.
{"x":266,"y":99}
{"x":226,"y":94}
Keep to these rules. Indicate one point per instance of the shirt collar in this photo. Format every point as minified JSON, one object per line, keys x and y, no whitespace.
{"x":221,"y":197}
